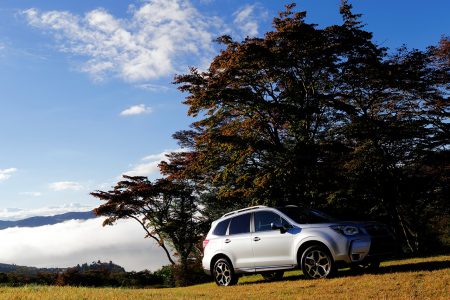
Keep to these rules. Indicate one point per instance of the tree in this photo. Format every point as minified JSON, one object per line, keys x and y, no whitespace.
{"x":442,"y":51}
{"x":272,"y":108}
{"x":251,"y":145}
{"x":165,"y":209}
{"x":320,"y":117}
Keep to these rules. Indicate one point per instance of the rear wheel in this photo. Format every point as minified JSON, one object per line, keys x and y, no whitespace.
{"x":273,"y":276}
{"x":317,"y":263}
{"x":223,"y":273}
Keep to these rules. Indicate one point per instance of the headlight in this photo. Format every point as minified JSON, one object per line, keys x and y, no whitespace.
{"x":346,"y":229}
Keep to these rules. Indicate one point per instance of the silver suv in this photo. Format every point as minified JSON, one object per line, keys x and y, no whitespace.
{"x":269,"y":241}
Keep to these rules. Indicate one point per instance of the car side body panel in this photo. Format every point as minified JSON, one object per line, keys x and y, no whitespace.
{"x":270,"y":250}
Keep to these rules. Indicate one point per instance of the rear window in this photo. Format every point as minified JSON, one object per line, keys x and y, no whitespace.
{"x":240,"y":224}
{"x":221,"y":228}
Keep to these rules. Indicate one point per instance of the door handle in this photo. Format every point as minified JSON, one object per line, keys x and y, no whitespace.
{"x":256,"y":238}
{"x":227,"y":241}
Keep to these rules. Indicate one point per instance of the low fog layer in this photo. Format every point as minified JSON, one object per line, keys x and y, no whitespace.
{"x":13,"y":214}
{"x":75,"y":242}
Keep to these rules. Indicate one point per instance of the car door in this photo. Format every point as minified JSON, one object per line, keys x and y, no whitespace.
{"x":238,"y":243}
{"x":272,"y":249}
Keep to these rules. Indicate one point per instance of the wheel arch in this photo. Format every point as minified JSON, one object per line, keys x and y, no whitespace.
{"x":218,"y":256}
{"x":306,"y":244}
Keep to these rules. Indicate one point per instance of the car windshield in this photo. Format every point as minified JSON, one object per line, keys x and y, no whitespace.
{"x":306,"y":216}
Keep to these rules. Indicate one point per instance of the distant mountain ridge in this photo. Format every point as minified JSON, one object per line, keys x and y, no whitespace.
{"x":47,"y":220}
{"x":8,"y":268}
{"x":111,"y":267}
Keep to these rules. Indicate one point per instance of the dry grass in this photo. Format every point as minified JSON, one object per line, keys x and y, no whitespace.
{"x":420,"y":278}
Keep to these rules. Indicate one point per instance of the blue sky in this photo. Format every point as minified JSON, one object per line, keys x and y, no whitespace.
{"x":69,"y":70}
{"x":86,"y":91}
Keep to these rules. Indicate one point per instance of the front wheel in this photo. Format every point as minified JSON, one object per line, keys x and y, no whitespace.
{"x":224,"y":274}
{"x":317,"y":263}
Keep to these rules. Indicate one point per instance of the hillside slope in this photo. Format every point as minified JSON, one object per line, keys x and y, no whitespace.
{"x":422,"y":278}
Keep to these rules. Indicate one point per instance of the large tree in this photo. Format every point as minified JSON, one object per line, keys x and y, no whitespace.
{"x":323,"y":117}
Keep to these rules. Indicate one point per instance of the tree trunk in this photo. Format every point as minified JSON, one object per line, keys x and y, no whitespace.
{"x":162,"y":245}
{"x":405,"y":230}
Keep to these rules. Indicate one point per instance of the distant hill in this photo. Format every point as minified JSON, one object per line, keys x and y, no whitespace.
{"x":7,"y":268}
{"x":111,"y":267}
{"x":47,"y":220}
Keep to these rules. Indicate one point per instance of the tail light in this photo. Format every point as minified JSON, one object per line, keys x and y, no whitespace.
{"x":205,"y":242}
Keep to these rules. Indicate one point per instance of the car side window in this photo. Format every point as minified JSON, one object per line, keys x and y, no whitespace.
{"x":264,"y":219}
{"x":240,"y":224}
{"x":221,"y":228}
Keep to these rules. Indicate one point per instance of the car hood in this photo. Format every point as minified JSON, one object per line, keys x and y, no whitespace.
{"x":367,"y":225}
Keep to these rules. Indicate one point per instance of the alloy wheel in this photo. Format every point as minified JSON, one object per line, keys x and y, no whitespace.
{"x":224,"y":274}
{"x":316,"y":263}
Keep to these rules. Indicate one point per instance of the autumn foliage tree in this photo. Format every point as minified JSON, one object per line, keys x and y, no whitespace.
{"x":165,"y":209}
{"x":320,"y":117}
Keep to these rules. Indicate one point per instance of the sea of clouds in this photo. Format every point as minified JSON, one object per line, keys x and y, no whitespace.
{"x":74,"y":242}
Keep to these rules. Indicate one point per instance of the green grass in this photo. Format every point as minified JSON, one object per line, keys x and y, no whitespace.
{"x":419,"y":278}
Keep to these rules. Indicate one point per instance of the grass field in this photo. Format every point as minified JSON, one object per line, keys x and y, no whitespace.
{"x":419,"y":278}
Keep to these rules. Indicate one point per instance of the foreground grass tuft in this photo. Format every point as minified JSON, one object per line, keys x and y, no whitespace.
{"x":419,"y":278}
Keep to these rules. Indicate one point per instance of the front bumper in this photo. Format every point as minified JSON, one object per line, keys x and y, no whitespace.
{"x":367,"y":249}
{"x":359,"y":249}
{"x":376,"y":248}
{"x":383,"y":247}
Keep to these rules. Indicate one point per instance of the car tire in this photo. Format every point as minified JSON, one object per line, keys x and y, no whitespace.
{"x":317,"y":262}
{"x":223,"y":273}
{"x":273,"y":276}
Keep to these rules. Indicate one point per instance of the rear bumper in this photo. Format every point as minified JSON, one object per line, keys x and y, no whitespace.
{"x":207,"y":272}
{"x":206,"y":261}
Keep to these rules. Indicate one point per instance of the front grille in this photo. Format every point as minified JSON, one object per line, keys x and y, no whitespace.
{"x":382,"y":240}
{"x":382,"y":245}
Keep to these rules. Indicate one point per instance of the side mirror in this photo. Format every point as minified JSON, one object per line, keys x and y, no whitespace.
{"x":278,"y":226}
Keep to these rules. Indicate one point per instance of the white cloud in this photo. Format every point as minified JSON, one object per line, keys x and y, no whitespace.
{"x":136,"y":110}
{"x":159,"y":38}
{"x":73,"y":242}
{"x":65,"y":185}
{"x":6,"y":173}
{"x":31,"y":194}
{"x":152,"y":87}
{"x":19,"y":214}
{"x":149,"y":165}
{"x":246,"y":19}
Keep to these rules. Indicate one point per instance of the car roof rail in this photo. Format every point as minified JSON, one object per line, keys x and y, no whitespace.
{"x":243,"y":209}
